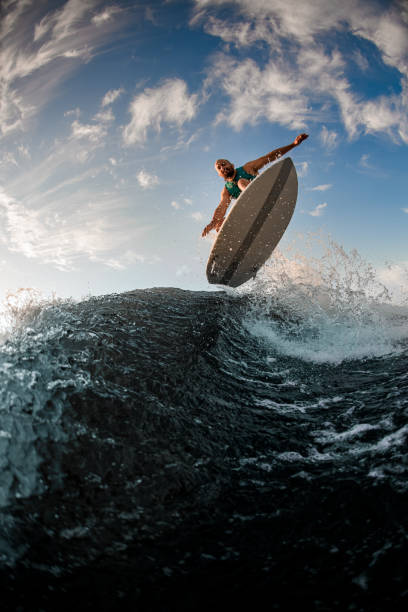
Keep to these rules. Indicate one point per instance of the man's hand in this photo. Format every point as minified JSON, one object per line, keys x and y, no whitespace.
{"x":215,"y":224}
{"x":219,"y":213}
{"x":300,"y":139}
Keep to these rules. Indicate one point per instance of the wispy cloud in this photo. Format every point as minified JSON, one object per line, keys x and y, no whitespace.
{"x":73,"y":112}
{"x":147,"y":180}
{"x":93,"y":132}
{"x":256,"y":93}
{"x":97,"y":231}
{"x":303,"y":80}
{"x":104,"y":116}
{"x":8,"y":158}
{"x":303,"y":168}
{"x":405,"y":210}
{"x":36,"y":52}
{"x":320,"y":187}
{"x":24,"y":151}
{"x":186,"y":202}
{"x":361,"y":61}
{"x":67,"y":161}
{"x":197,"y":216}
{"x":110,"y":96}
{"x":366,"y":166}
{"x":318,"y":210}
{"x":328,"y":138}
{"x":128,"y":258}
{"x":364,"y":163}
{"x":106,"y":15}
{"x":169,"y":103}
{"x":182,"y":143}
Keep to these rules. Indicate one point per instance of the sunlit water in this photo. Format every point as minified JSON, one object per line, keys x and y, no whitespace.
{"x":166,"y":449}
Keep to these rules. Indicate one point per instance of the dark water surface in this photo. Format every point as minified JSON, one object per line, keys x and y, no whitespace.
{"x":173,"y":450}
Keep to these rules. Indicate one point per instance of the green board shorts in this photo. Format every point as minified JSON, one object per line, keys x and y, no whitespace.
{"x":232,"y":186}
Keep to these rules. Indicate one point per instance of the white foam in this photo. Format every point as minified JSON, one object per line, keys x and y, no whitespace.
{"x":354,"y":432}
{"x":33,"y":384}
{"x":325,"y":310}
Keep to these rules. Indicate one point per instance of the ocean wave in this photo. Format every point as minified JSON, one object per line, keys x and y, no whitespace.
{"x":130,"y":421}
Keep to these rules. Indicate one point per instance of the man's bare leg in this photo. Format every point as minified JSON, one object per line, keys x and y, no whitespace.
{"x":243,"y":183}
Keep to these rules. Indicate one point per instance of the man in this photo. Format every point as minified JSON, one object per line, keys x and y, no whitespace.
{"x":237,"y":179}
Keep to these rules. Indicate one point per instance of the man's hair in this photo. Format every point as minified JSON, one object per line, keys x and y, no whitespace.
{"x":219,"y":161}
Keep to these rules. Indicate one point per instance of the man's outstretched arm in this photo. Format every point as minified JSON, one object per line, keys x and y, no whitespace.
{"x":219,"y":213}
{"x":254,"y":166}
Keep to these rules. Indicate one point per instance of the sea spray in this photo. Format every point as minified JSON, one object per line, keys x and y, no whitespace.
{"x":335,"y":307}
{"x":36,"y":378}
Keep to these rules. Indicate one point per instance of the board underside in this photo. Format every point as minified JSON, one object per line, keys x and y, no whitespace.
{"x":254,"y":226}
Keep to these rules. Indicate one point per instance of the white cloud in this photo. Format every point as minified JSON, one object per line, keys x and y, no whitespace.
{"x":94,"y":132}
{"x":111,"y":96}
{"x":128,"y":258}
{"x":73,"y":53}
{"x":405,"y":210}
{"x":73,"y":112}
{"x":147,"y":180}
{"x":318,"y":211}
{"x":266,"y":20}
{"x":303,"y":80}
{"x":106,"y":15}
{"x":59,"y":167}
{"x":42,"y":28}
{"x":303,"y":168}
{"x":321,"y":188}
{"x":97,"y":231}
{"x":35,"y":55}
{"x":255,"y":93}
{"x":197,"y":216}
{"x":175,"y":205}
{"x":364,"y":163}
{"x":361,"y":61}
{"x":105,"y":116}
{"x":8,"y":158}
{"x":169,"y":103}
{"x":21,"y":225}
{"x":151,"y":16}
{"x":24,"y":152}
{"x":182,"y":143}
{"x":328,"y":138}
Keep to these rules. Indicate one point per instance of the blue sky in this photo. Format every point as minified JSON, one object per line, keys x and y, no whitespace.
{"x":112,"y":114}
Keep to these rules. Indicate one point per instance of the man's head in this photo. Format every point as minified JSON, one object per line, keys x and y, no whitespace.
{"x":224,"y":168}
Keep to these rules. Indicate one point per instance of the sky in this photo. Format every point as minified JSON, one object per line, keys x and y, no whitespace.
{"x":113,"y":113}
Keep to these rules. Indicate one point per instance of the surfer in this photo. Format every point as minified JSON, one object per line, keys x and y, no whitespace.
{"x":237,"y":179}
